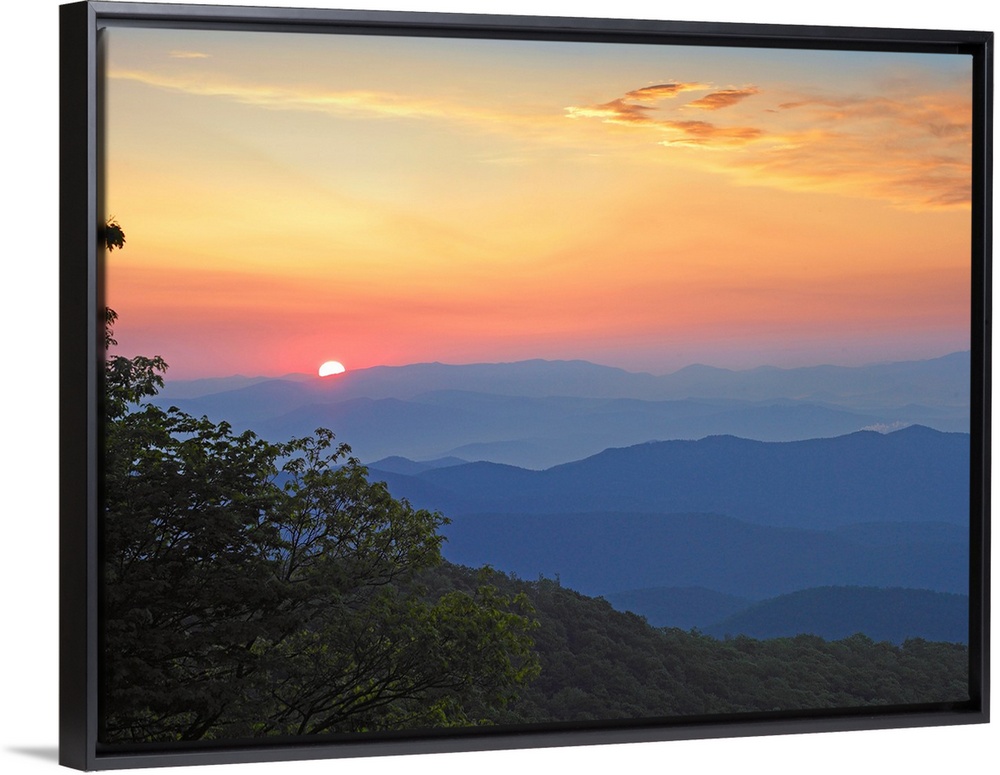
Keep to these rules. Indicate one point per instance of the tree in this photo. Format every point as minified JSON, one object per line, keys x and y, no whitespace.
{"x":255,"y":588}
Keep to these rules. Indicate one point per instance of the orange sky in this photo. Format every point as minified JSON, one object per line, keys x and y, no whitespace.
{"x":289,"y":199}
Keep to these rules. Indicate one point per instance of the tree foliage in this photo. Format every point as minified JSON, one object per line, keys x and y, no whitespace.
{"x":114,"y":236}
{"x":597,"y":663}
{"x":255,"y":588}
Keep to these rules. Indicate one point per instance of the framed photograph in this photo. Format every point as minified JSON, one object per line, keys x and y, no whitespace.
{"x":443,"y":382}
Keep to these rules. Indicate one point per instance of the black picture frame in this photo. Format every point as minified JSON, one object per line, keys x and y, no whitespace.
{"x":81,"y":359}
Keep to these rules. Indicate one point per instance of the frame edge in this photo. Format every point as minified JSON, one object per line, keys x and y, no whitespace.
{"x":78,"y":225}
{"x":77,"y":398}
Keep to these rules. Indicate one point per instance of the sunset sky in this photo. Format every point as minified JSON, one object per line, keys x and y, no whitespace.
{"x":291,"y":199}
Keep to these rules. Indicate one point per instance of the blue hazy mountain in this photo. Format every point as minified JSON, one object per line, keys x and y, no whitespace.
{"x":196,"y":388}
{"x":685,"y":608}
{"x":567,"y":410}
{"x":401,"y":465}
{"x":912,"y":475}
{"x":833,"y":613}
{"x":939,"y":382}
{"x":542,"y":432}
{"x":530,"y":432}
{"x":730,"y":516}
{"x":714,"y":486}
{"x":607,"y":553}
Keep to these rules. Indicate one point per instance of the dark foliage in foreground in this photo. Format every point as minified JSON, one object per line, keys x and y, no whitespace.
{"x":235,"y":607}
{"x":254,"y":589}
{"x":600,"y":664}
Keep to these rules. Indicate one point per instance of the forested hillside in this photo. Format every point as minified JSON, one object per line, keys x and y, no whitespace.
{"x":598,"y":664}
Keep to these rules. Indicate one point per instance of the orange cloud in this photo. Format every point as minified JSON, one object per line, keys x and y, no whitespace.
{"x":629,"y":109}
{"x":703,"y":133}
{"x":937,"y":116}
{"x":357,"y":101}
{"x":723,"y":99}
{"x":614,"y":112}
{"x":912,"y":150}
{"x":663,"y":91}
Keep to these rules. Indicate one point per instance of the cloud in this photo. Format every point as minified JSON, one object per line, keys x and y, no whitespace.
{"x":939,"y":116}
{"x":909,"y":148}
{"x":723,"y":99}
{"x":630,"y":109}
{"x":187,"y":55}
{"x":663,"y":91}
{"x":614,"y":112}
{"x":912,"y":149}
{"x":705,"y":134}
{"x":906,"y":174}
{"x":345,"y":102}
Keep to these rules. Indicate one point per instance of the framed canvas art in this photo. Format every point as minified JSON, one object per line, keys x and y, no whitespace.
{"x":439,"y":382}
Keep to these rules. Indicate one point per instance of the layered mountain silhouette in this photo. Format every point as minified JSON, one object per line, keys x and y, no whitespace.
{"x":731,"y":516}
{"x":833,"y":612}
{"x":912,"y":475}
{"x":838,"y":612}
{"x":940,"y":381}
{"x":536,"y":414}
{"x":606,"y":553}
{"x":686,"y":608}
{"x":763,"y":502}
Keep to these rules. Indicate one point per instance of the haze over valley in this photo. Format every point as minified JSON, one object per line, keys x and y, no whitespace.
{"x":536,"y":414}
{"x":705,"y":498}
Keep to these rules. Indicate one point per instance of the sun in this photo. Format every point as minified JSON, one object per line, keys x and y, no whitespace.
{"x":331,"y":367}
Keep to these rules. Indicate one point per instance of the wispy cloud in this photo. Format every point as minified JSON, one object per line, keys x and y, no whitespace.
{"x":723,"y":99}
{"x":188,"y":55}
{"x":914,"y":151}
{"x":614,"y":112}
{"x":342,"y":102}
{"x":906,"y":147}
{"x":635,"y":107}
{"x":910,"y":149}
{"x":663,"y":91}
{"x":638,"y":107}
{"x":942,"y":117}
{"x":705,"y":134}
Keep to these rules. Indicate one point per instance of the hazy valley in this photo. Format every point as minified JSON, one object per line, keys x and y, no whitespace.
{"x":766,"y":502}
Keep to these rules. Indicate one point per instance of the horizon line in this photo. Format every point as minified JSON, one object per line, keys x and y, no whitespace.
{"x":302,"y":375}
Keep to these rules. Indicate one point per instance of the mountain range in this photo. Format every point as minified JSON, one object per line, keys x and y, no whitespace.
{"x":536,"y":414}
{"x":733,"y":501}
{"x":834,"y":612}
{"x":608,"y":552}
{"x":912,"y":475}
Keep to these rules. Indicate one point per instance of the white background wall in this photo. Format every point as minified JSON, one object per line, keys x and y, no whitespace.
{"x":28,"y":428}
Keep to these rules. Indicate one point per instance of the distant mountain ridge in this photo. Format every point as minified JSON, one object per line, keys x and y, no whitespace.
{"x":745,"y":489}
{"x":912,"y":475}
{"x":602,"y":553}
{"x":686,"y":608}
{"x":536,"y":414}
{"x":832,"y":613}
{"x":945,"y":379}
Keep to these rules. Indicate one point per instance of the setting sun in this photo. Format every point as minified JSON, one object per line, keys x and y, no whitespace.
{"x":331,"y":367}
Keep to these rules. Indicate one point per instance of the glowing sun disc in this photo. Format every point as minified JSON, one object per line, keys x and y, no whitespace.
{"x":331,"y":367}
